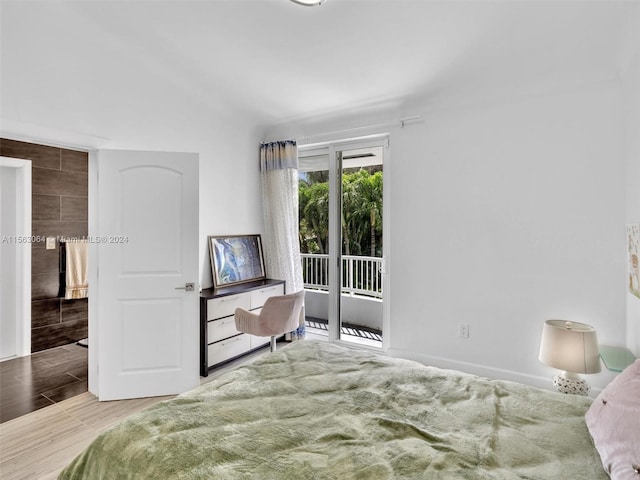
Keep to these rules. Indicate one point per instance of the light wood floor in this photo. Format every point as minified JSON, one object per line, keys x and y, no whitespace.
{"x":40,"y":444}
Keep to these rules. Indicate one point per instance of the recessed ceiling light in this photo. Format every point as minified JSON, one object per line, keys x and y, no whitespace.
{"x":309,"y":3}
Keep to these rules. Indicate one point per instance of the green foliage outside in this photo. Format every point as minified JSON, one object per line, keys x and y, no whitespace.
{"x":361,"y":212}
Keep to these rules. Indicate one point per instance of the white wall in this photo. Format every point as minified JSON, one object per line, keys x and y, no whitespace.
{"x":515,"y":214}
{"x":503,"y":215}
{"x":631,"y":92}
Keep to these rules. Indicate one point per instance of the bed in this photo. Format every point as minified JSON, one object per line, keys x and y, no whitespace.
{"x":314,"y":410}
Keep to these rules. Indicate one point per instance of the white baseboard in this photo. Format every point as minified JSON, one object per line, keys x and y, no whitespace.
{"x":481,"y":370}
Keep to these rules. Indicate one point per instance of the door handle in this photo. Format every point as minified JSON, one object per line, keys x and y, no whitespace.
{"x":189,"y":287}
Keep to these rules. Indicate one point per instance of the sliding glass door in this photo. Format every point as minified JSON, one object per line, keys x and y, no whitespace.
{"x":314,"y":233}
{"x":342,"y":240}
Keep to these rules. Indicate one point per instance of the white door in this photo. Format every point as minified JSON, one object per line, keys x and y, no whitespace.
{"x":144,"y":243}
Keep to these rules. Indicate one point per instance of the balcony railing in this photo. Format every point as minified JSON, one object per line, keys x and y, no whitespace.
{"x":360,"y":275}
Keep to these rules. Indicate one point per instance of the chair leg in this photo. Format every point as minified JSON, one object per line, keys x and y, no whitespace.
{"x":273,"y":343}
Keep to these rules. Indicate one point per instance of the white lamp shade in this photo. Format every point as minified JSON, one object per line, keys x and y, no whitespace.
{"x":570,"y":346}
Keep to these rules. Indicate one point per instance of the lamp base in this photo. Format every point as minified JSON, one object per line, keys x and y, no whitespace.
{"x":568,"y":382}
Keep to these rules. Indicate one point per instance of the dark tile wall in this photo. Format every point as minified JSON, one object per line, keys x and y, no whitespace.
{"x":59,"y":209}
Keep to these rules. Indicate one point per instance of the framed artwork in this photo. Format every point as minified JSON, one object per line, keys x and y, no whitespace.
{"x":236,"y":259}
{"x":633,"y":240}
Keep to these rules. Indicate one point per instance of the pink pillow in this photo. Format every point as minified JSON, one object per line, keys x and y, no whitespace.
{"x":614,"y":423}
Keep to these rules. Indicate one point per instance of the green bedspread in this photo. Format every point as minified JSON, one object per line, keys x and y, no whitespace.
{"x":317,"y":411}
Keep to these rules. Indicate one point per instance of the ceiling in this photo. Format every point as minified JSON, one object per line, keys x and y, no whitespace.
{"x":274,"y":61}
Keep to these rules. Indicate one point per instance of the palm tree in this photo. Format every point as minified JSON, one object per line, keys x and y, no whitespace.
{"x":370,"y":190}
{"x":349,"y":202}
{"x":315,"y":212}
{"x":361,"y":213}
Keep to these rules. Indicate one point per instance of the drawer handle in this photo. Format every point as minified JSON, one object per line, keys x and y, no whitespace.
{"x":231,"y":340}
{"x":221,"y":323}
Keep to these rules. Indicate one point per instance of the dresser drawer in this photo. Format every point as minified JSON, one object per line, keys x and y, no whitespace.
{"x":229,"y":348}
{"x":219,"y":339}
{"x":258,"y":297}
{"x":259,"y":341}
{"x":221,"y":329}
{"x":225,"y":306}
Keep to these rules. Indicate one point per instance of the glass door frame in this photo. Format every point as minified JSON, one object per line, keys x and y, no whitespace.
{"x":333,"y":150}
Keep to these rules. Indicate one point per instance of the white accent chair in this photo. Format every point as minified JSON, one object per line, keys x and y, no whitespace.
{"x":279,"y":315}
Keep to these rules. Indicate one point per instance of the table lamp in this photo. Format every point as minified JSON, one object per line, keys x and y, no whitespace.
{"x":573,"y":348}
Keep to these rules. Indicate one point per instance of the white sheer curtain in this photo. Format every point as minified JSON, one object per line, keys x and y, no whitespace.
{"x":279,"y":171}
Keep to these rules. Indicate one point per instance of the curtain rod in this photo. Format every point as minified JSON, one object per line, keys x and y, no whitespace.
{"x":402,"y":122}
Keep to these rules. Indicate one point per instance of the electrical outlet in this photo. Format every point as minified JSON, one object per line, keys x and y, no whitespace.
{"x":463,"y":330}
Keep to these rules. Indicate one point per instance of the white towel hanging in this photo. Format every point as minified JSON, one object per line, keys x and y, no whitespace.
{"x":76,"y":269}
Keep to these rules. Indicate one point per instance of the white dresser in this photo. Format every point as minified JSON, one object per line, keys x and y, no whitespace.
{"x":219,"y":339}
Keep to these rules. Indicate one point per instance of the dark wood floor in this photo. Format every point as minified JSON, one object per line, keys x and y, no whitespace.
{"x":42,"y":379}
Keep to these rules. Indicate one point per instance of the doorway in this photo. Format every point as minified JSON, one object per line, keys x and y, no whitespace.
{"x":342,"y":239}
{"x":15,"y":257}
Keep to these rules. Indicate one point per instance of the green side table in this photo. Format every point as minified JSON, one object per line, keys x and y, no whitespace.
{"x":616,"y":359}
